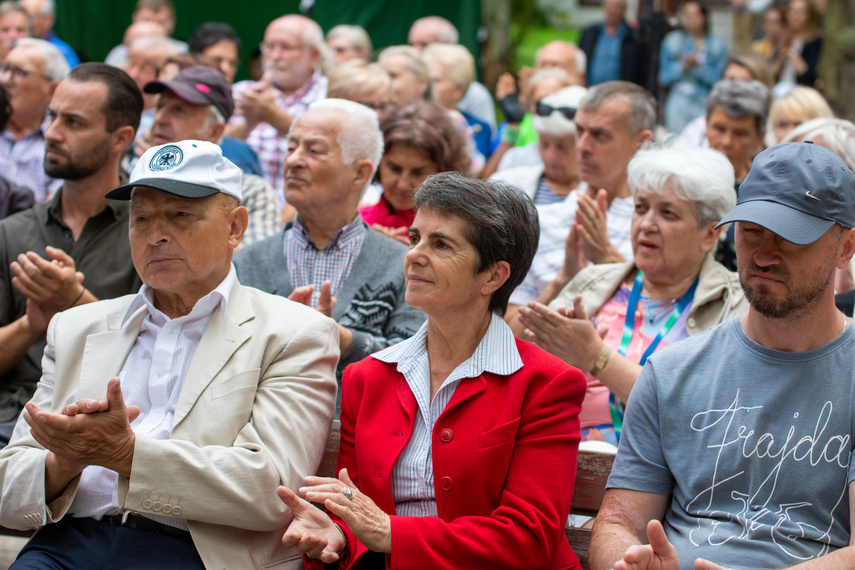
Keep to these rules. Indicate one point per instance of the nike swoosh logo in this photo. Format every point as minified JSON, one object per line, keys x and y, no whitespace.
{"x":809,"y":195}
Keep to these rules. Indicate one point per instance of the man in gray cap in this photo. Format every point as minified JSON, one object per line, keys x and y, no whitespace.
{"x":165,"y":421}
{"x":737,"y":443}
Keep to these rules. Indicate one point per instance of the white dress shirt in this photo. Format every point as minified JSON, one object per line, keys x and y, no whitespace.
{"x":151,"y":378}
{"x":412,"y":476}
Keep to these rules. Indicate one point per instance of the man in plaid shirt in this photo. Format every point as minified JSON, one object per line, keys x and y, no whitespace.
{"x":291,"y":82}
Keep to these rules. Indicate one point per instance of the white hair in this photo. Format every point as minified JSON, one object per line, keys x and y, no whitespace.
{"x":313,"y":35}
{"x":838,"y":136}
{"x":355,"y":35}
{"x":557,"y":124}
{"x":580,"y":59}
{"x":360,"y":137}
{"x":55,"y":65}
{"x":458,"y":63}
{"x":702,"y":176}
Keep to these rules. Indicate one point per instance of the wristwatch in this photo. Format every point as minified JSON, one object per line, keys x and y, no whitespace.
{"x":600,"y":363}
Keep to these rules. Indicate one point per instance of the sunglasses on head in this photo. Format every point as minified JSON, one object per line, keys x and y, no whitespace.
{"x":544,"y":110}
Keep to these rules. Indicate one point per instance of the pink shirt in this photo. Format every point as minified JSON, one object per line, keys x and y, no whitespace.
{"x":595,"y":408}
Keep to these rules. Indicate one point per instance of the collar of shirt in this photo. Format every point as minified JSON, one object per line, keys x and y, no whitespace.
{"x":204,"y":307}
{"x":497,"y":352}
{"x":350,"y":232}
{"x":315,"y":81}
{"x":53,"y":213}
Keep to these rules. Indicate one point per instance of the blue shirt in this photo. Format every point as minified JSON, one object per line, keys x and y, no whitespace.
{"x":607,"y":57}
{"x":412,"y":477}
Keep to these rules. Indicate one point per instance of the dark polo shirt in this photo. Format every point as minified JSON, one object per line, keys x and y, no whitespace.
{"x":101,"y":252}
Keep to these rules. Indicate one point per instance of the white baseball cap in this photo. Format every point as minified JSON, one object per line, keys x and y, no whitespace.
{"x":191,"y":169}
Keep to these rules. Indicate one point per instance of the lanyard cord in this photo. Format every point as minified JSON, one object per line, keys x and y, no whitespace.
{"x":616,"y":408}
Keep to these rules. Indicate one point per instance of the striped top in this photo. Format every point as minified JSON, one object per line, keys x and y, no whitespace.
{"x":546,"y":195}
{"x":412,"y":477}
{"x":309,"y":265}
{"x":151,"y":377}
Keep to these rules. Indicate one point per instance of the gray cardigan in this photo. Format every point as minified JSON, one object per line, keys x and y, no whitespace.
{"x":371,"y":302}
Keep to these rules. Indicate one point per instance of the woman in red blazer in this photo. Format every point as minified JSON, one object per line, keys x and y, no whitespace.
{"x":458,"y":445}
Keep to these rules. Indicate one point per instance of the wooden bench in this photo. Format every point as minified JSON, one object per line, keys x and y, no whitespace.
{"x":592,"y":471}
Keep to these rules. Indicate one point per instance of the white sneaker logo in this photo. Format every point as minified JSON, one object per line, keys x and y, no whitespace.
{"x":809,"y":195}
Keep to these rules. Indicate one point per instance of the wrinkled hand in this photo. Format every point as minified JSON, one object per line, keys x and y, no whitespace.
{"x":311,"y":532}
{"x":258,"y":104}
{"x":52,"y":284}
{"x":506,"y":85}
{"x":302,"y":295}
{"x":591,"y":224}
{"x":371,"y":525}
{"x":326,"y":302}
{"x":659,"y":554}
{"x":397,"y":234}
{"x":574,"y":254}
{"x":523,"y":79}
{"x":568,"y":335}
{"x":88,"y":432}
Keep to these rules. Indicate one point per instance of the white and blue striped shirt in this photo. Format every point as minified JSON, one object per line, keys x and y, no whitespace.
{"x":151,"y":378}
{"x":412,"y":477}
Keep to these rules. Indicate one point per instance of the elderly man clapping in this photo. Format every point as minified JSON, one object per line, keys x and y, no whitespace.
{"x":216,"y":394}
{"x":328,"y":257}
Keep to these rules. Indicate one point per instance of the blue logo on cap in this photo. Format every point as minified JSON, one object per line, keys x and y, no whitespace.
{"x":166,"y":158}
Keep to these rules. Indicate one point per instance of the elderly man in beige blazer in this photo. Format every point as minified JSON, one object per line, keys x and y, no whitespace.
{"x":164,"y":421}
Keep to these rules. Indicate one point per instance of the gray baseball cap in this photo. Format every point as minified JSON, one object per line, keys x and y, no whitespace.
{"x":798,"y":191}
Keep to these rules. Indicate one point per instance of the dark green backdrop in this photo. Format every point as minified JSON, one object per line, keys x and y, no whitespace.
{"x":92,"y":27}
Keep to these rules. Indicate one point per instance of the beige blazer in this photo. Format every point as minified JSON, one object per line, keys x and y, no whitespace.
{"x":254,"y":412}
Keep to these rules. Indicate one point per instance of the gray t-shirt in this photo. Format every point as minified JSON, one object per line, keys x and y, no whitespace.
{"x":753,"y":445}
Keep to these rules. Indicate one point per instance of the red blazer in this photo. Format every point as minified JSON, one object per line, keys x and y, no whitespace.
{"x":504,"y":458}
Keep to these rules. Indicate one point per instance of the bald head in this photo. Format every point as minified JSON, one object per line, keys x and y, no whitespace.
{"x":562,"y":55}
{"x":290,"y":51}
{"x":142,"y":29}
{"x":432,"y":30}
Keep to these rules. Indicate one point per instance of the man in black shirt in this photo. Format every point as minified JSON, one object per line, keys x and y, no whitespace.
{"x":94,"y":114}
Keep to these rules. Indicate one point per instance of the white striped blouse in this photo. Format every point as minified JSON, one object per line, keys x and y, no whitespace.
{"x":412,"y":477}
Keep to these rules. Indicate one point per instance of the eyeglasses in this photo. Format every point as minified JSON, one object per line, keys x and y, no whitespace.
{"x":544,"y":110}
{"x":16,"y":72}
{"x":269,"y":47}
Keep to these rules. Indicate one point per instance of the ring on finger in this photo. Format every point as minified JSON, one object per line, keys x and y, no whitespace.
{"x":347,"y":493}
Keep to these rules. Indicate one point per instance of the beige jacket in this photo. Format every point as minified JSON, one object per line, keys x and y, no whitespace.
{"x":718,"y":296}
{"x":254,"y":412}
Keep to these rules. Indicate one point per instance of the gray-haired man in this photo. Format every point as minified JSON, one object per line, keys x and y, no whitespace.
{"x":756,"y":407}
{"x":328,"y":257}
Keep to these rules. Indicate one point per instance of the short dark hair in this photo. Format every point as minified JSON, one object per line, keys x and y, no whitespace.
{"x":501,"y":223}
{"x":642,"y":105}
{"x":123,"y":104}
{"x":428,"y":128}
{"x":211,"y":33}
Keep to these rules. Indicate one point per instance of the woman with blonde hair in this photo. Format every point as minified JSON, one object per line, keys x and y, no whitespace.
{"x":798,"y":106}
{"x":360,"y":82}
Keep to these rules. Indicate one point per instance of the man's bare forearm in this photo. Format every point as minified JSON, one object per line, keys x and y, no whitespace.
{"x":16,"y":339}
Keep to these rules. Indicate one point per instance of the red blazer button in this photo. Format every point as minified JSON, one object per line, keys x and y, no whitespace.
{"x":446,"y":483}
{"x":446,"y":435}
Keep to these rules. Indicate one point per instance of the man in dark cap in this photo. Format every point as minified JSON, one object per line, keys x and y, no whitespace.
{"x":737,"y":443}
{"x":196,"y":104}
